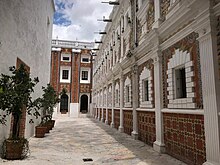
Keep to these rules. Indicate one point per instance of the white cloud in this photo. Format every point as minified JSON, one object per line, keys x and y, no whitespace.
{"x":82,"y":15}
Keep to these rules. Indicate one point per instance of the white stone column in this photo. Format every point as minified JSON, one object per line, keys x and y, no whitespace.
{"x":157,"y":14}
{"x":121,"y":127}
{"x":106,"y":121}
{"x":158,"y":145}
{"x":103,"y":104}
{"x":113,"y":103}
{"x":135,"y":93}
{"x":99,"y":105}
{"x":211,"y":93}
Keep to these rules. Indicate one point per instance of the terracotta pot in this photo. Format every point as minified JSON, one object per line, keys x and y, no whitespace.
{"x":14,"y":149}
{"x":40,"y":131}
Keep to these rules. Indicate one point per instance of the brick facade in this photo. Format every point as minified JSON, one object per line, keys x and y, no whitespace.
{"x":184,"y":137}
{"x":146,"y":127}
{"x":128,"y":122}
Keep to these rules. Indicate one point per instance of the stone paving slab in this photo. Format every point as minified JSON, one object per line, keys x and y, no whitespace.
{"x":73,"y":139}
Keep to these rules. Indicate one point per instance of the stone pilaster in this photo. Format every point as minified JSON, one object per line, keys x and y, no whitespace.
{"x":157,"y":14}
{"x":211,"y":92}
{"x":99,"y":117}
{"x":113,"y":104}
{"x":103,"y":105}
{"x":135,"y":100}
{"x":106,"y":120}
{"x":158,"y":145}
{"x":121,"y":127}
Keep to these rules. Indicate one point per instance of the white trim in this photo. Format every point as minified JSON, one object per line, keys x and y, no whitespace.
{"x":146,"y":110}
{"x":66,"y":55}
{"x":89,"y":75}
{"x":61,"y":74}
{"x":85,"y":56}
{"x":184,"y":111}
{"x":127,"y":109}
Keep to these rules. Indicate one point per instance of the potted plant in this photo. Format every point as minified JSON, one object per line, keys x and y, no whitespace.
{"x":16,"y":100}
{"x":48,"y":102}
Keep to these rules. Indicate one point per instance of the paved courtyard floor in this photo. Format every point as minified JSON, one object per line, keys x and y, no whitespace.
{"x":73,"y":140}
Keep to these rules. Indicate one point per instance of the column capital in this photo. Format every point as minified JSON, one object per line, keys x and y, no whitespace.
{"x":134,"y":68}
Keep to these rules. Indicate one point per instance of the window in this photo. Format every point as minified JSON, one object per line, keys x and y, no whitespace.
{"x":65,"y":74}
{"x":180,"y":83}
{"x":116,"y":95}
{"x":127,"y":94}
{"x":85,"y":59}
{"x":84,"y":75}
{"x":145,"y":90}
{"x":66,"y":58}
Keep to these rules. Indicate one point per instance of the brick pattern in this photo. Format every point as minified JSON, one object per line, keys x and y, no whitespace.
{"x":109,"y":116}
{"x":146,"y":127}
{"x":117,"y":118}
{"x":85,"y":88}
{"x":100,"y":109}
{"x":104,"y":111}
{"x":184,"y":137}
{"x":64,"y":86}
{"x":218,"y":42}
{"x":128,"y":122}
{"x":164,"y":7}
{"x":191,"y":45}
{"x":150,"y":15}
{"x":55,"y":69}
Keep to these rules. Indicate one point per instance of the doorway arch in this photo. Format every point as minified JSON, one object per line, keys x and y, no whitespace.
{"x":64,"y":103}
{"x":84,"y":104}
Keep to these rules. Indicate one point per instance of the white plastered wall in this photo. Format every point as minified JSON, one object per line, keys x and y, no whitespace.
{"x":26,"y":32}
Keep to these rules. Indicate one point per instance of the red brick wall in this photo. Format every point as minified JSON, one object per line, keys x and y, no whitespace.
{"x":75,"y":78}
{"x":146,"y":127}
{"x":104,"y":110}
{"x":100,"y":109}
{"x":184,"y":137}
{"x":117,"y":118}
{"x":109,"y":116}
{"x":54,"y":77}
{"x":128,"y":122}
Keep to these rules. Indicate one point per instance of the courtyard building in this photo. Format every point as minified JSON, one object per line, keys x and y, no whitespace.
{"x":26,"y":33}
{"x":71,"y":70}
{"x":156,"y":76}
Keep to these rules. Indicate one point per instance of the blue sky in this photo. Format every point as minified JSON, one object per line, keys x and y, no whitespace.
{"x":77,"y":19}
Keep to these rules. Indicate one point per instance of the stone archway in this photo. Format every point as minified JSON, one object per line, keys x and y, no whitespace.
{"x":84,"y":104}
{"x":64,"y":103}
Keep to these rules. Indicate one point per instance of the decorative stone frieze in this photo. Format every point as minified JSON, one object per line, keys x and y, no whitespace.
{"x":150,"y":15}
{"x":164,"y":8}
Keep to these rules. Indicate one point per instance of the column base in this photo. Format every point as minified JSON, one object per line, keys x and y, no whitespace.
{"x":103,"y":120}
{"x":210,"y":163}
{"x":134,"y":135}
{"x":159,"y":147}
{"x":121,"y":129}
{"x":112,"y":125}
{"x":106,"y":122}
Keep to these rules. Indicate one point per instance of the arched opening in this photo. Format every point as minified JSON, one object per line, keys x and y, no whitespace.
{"x":84,"y":104}
{"x":64,"y":104}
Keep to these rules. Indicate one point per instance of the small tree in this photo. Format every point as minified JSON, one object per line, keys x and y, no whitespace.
{"x":49,"y":100}
{"x":15,"y":97}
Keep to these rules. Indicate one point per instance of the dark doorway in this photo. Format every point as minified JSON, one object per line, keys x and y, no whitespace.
{"x":84,"y":104}
{"x":64,"y":104}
